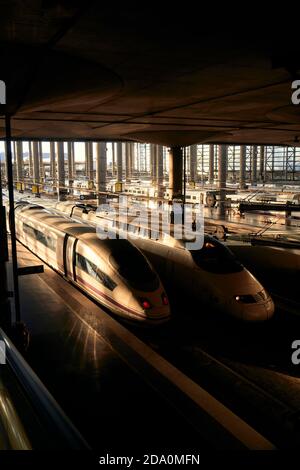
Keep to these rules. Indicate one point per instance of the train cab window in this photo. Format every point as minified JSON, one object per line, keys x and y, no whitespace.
{"x":216,"y":258}
{"x":48,"y":241}
{"x":90,"y":268}
{"x":133,"y":266}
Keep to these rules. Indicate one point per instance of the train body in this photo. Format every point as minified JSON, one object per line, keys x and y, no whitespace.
{"x":193,"y":196}
{"x":209,"y":275}
{"x":114,"y":272}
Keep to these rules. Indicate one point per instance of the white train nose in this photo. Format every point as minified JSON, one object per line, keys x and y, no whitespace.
{"x":256,"y":313}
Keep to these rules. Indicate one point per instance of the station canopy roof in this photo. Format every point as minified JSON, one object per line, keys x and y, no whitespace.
{"x":137,"y":71}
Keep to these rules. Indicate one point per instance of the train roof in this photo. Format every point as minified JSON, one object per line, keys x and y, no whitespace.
{"x":57,"y":222}
{"x":81,"y":231}
{"x":165,"y":238}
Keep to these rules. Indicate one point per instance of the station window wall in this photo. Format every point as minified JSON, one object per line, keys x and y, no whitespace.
{"x":273,"y":163}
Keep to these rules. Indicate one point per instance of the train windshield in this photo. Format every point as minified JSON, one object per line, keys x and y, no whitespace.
{"x":216,"y":258}
{"x":133,"y":266}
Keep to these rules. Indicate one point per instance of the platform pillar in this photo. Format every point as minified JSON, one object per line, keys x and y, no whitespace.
{"x":175,"y":172}
{"x":41,"y":161}
{"x":52,"y":161}
{"x":254,"y":165}
{"x":222,"y":174}
{"x":61,"y":191}
{"x":20,"y":165}
{"x":193,"y":163}
{"x":160,"y":171}
{"x":128,"y":157}
{"x":36,"y":165}
{"x":89,"y":167}
{"x":70,"y":166}
{"x":262,"y":164}
{"x":153,"y":150}
{"x":242,"y":166}
{"x":101,"y":165}
{"x":119,"y":162}
{"x":30,"y":161}
{"x":211,"y":169}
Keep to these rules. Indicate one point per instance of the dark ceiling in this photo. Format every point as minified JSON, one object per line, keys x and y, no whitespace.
{"x":138,"y":71}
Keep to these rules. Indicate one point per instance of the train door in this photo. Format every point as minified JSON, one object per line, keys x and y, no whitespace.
{"x":69,"y":257}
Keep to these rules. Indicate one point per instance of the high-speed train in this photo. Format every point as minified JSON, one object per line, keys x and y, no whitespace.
{"x":210,"y":275}
{"x":114,"y":272}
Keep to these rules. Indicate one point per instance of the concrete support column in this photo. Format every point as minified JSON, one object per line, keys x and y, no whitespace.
{"x":113,"y":163}
{"x":128,"y":157}
{"x":52,"y":161}
{"x":70,"y":165}
{"x":19,"y":161}
{"x":60,"y":171}
{"x":222,"y":174}
{"x":254,"y":165}
{"x":89,"y":167}
{"x":119,"y":162}
{"x":175,"y":172}
{"x":41,"y":160}
{"x":211,"y":169}
{"x":133,"y":158}
{"x":36,"y":163}
{"x":101,"y":165}
{"x":138,"y":151}
{"x":262,"y":164}
{"x":160,"y":170}
{"x":153,"y":149}
{"x":193,"y":163}
{"x":242,"y":166}
{"x":30,"y":161}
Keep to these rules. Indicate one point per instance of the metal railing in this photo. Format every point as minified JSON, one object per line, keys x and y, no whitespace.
{"x":30,"y":418}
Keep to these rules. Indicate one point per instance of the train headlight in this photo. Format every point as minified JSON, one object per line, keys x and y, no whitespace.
{"x":245,"y":299}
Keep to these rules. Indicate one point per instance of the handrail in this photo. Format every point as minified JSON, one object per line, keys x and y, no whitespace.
{"x":61,"y":433}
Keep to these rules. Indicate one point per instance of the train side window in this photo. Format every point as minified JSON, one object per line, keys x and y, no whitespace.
{"x":106,"y":280}
{"x":81,"y":262}
{"x":46,"y":240}
{"x":90,"y":268}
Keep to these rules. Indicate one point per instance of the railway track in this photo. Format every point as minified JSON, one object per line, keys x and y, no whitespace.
{"x":261,"y":394}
